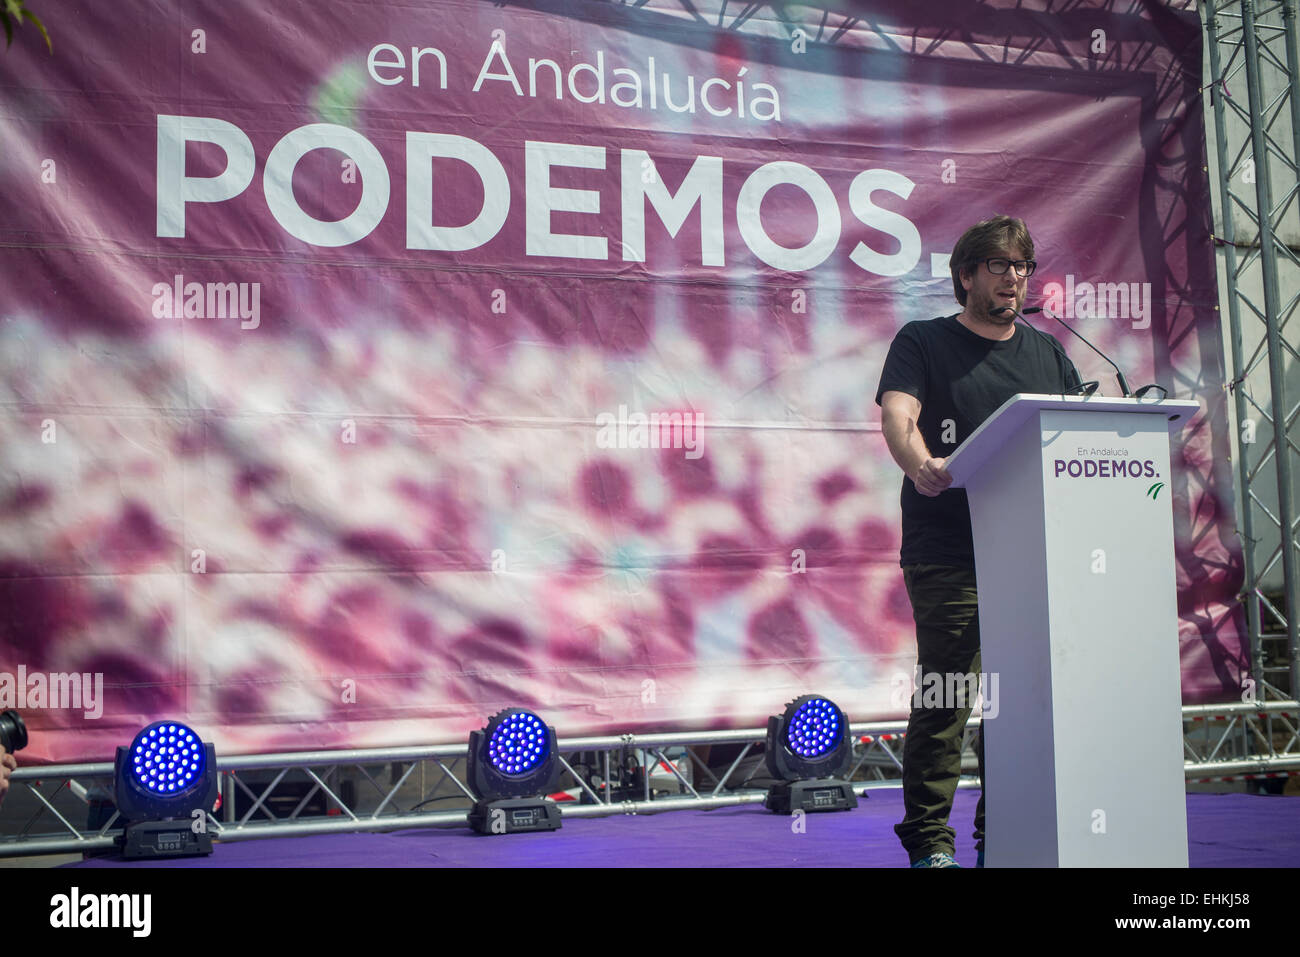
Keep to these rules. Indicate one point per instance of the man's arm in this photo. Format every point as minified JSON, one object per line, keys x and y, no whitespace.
{"x":899,"y":415}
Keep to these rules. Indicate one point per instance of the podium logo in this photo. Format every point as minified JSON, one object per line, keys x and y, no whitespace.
{"x":1104,"y":468}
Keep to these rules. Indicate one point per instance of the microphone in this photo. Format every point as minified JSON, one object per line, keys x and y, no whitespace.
{"x":1123,"y":383}
{"x":1083,"y":388}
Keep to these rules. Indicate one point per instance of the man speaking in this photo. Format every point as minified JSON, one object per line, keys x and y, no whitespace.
{"x":942,"y":378}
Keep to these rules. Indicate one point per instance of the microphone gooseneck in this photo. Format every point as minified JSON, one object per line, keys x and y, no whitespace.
{"x":1028,"y":325}
{"x":1087,"y":387}
{"x":1123,"y":383}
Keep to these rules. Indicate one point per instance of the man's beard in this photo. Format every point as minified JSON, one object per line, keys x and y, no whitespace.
{"x":984,"y":306}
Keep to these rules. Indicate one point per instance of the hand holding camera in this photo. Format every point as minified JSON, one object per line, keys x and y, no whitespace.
{"x":13,"y":737}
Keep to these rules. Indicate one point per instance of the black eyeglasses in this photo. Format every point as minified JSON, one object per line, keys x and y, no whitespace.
{"x":1023,"y":267}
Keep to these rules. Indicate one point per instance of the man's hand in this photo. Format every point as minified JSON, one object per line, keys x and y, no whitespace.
{"x":932,"y":478}
{"x":899,"y":415}
{"x":8,"y":763}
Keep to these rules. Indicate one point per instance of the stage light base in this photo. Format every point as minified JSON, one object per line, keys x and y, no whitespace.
{"x":823,"y":794}
{"x":158,"y":839}
{"x":515,"y":816}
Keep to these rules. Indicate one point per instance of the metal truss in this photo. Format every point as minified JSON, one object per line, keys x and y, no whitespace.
{"x":277,"y":791}
{"x":321,"y":792}
{"x":1254,"y":87}
{"x":1241,"y":742}
{"x":893,"y":26}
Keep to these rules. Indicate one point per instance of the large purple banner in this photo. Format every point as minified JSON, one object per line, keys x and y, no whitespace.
{"x":369,"y":367}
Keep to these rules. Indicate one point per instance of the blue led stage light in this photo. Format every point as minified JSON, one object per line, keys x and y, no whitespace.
{"x":807,"y":747}
{"x":519,"y":744}
{"x":512,"y":764}
{"x":815,"y":729}
{"x":166,"y":759}
{"x":164,"y":784}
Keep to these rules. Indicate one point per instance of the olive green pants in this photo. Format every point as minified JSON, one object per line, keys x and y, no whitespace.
{"x":947,"y":643}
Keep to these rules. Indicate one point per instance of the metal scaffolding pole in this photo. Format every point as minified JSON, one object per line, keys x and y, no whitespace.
{"x":1272,"y":316}
{"x":1292,"y":41}
{"x":1246,"y":513}
{"x":1243,"y":38}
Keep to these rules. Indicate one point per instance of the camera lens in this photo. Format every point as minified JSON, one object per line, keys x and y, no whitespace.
{"x":13,"y":733}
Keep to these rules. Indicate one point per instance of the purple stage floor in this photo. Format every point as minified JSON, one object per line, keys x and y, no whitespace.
{"x":1225,"y":830}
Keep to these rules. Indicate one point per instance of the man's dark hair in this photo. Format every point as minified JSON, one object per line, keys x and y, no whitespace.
{"x":984,"y":240}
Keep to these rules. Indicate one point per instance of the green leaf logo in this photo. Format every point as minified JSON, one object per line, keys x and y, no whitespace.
{"x":1154,"y":490}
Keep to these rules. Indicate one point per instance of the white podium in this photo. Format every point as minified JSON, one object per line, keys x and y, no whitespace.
{"x":1074,"y":554}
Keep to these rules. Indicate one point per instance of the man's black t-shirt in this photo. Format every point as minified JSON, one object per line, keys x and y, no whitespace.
{"x":960,"y":379}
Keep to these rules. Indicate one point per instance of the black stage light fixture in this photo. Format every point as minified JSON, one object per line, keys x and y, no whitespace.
{"x":512,"y":763}
{"x":13,"y":733}
{"x":807,"y":747}
{"x":159,"y":783}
